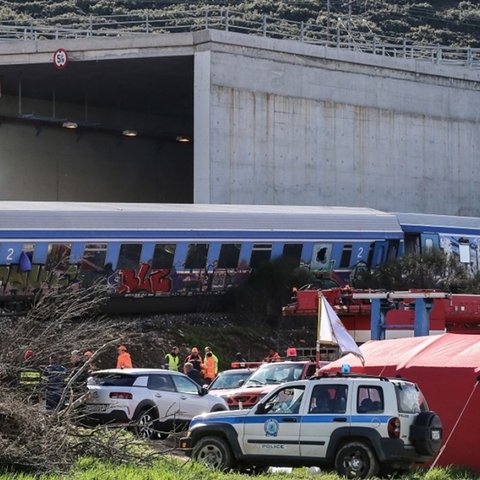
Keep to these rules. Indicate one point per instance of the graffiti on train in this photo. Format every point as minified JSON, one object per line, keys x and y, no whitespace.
{"x":13,"y":281}
{"x":151,"y":281}
{"x":129,"y":281}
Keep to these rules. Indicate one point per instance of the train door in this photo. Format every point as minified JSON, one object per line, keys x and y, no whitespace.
{"x":379,"y":254}
{"x":384,"y":252}
{"x":322,"y":257}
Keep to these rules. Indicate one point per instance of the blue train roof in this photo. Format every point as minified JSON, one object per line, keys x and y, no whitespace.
{"x":425,"y":222}
{"x":73,"y":216}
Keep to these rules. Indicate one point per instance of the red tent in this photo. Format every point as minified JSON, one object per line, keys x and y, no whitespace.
{"x":446,"y":368}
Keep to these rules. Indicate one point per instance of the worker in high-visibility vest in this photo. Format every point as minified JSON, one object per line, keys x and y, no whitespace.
{"x":29,"y":378}
{"x":172,"y":359}
{"x":211,"y":362}
{"x":123,"y":360}
{"x":209,"y":367}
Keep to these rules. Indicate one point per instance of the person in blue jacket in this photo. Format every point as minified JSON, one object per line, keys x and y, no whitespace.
{"x":53,"y":382}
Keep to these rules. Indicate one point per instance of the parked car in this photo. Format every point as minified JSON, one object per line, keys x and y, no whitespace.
{"x":266,"y":378}
{"x":358,"y":424}
{"x":153,"y":402}
{"x":229,"y":380}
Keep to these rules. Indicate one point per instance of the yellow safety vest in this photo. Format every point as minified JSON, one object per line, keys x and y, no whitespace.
{"x":173,"y":362}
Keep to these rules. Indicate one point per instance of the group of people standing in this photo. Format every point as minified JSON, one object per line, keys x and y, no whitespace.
{"x":47,"y":384}
{"x":201,"y":370}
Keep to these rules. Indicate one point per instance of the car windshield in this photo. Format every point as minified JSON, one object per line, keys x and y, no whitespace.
{"x":409,"y":398}
{"x":229,"y":380}
{"x":275,"y":373}
{"x":112,"y":380}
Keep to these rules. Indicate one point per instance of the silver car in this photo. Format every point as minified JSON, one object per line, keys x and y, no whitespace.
{"x":154,"y":402}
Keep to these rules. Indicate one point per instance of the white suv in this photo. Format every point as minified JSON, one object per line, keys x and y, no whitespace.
{"x":360,"y":425}
{"x":153,"y":401}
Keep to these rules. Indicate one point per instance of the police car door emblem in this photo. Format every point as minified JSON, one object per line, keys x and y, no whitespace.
{"x":271,"y":427}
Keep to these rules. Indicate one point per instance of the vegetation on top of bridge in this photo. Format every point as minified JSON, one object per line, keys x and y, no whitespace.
{"x":444,"y":31}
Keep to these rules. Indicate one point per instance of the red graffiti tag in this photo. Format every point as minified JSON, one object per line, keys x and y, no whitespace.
{"x":145,"y":280}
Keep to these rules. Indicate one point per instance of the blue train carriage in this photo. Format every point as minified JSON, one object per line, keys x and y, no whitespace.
{"x":455,"y":235}
{"x":181,"y":252}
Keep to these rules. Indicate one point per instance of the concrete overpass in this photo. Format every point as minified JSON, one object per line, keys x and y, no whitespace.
{"x":269,"y":121}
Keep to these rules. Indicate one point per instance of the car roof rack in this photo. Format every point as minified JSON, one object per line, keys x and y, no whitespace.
{"x":347,"y":375}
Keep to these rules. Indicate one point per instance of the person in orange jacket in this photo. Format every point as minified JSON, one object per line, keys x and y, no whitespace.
{"x":123,"y":360}
{"x":209,"y":367}
{"x":272,"y":356}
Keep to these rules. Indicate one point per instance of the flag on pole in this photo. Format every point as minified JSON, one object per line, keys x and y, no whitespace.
{"x":331,"y":330}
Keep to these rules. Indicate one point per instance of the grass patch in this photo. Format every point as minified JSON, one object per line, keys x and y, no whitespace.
{"x":169,"y":468}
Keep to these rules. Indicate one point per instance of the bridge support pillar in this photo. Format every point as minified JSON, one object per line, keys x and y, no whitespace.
{"x":380,"y":308}
{"x":423,"y":307}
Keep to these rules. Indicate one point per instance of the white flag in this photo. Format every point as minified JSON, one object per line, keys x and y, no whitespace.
{"x":332,"y":330}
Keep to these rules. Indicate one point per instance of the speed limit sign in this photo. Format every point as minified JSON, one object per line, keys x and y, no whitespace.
{"x":60,"y":58}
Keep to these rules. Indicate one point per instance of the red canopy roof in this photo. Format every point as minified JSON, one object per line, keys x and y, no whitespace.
{"x":446,"y":368}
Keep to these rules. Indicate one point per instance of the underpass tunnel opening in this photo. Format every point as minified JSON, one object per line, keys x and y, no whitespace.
{"x":106,"y":130}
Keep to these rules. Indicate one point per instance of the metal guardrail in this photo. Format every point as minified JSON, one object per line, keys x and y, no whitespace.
{"x":337,"y":35}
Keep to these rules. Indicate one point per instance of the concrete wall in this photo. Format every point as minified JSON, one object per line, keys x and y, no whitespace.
{"x":275,"y":122}
{"x":297,"y":124}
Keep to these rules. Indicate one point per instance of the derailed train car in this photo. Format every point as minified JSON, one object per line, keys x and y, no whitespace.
{"x":181,"y":252}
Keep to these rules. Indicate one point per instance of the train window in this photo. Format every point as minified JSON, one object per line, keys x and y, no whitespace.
{"x":321,"y":257}
{"x":428,"y":243}
{"x":57,"y":254}
{"x":196,"y":255}
{"x":163,"y":255}
{"x":93,"y":259}
{"x":261,"y":253}
{"x":464,"y":250}
{"x":229,"y":255}
{"x":293,"y":252}
{"x":129,"y":256}
{"x":346,"y":255}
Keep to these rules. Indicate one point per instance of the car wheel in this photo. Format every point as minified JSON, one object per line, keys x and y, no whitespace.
{"x":213,"y":452}
{"x":146,"y":425}
{"x":356,"y":460}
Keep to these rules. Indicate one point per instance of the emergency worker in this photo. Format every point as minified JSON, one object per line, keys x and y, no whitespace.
{"x":272,"y":356}
{"x":209,"y":367}
{"x":215,"y":358}
{"x":123,"y":360}
{"x":195,"y":359}
{"x":29,"y":378}
{"x":172,"y":360}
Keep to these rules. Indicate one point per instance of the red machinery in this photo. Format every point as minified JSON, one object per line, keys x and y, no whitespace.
{"x":457,"y":313}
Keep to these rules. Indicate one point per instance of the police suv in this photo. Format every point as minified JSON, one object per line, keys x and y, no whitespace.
{"x":360,"y":425}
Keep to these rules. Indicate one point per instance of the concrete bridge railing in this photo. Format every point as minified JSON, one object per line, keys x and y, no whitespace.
{"x":336,"y":34}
